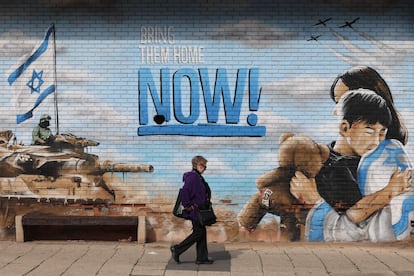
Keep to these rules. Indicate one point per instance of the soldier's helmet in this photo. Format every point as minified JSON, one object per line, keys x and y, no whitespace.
{"x":45,"y":117}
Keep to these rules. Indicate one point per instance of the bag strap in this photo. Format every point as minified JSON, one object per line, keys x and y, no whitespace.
{"x":208,"y":190}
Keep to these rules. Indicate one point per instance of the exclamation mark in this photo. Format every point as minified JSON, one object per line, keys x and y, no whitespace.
{"x":254,"y":95}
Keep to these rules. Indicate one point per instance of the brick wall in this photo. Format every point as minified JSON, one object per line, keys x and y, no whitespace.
{"x":120,"y":63}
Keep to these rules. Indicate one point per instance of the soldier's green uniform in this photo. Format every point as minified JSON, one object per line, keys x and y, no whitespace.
{"x":42,"y":135}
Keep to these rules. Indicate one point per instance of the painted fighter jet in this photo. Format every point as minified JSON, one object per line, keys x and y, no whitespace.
{"x":349,"y":24}
{"x":314,"y":38}
{"x":323,"y":22}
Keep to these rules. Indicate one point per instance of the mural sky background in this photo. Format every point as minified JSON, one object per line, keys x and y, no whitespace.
{"x":98,"y":59}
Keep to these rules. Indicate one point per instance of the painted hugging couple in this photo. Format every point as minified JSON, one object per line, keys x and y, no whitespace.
{"x":363,"y":191}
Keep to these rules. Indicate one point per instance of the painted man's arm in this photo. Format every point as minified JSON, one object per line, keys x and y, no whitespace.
{"x":399,"y":183}
{"x":304,"y":189}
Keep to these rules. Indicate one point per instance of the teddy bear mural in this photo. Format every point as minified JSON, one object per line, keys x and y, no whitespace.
{"x":296,"y":153}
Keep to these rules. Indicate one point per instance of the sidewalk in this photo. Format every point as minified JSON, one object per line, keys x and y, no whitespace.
{"x":45,"y":258}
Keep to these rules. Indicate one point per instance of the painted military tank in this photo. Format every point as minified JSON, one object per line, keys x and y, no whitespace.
{"x":62,"y":169}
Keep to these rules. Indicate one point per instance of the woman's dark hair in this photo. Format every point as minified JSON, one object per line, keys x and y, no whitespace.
{"x":367,"y":78}
{"x":366,"y":106}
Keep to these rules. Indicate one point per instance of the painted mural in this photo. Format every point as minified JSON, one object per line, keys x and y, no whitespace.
{"x":304,"y":114}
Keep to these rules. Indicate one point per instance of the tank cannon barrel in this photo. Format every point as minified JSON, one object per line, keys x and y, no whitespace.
{"x":108,"y":166}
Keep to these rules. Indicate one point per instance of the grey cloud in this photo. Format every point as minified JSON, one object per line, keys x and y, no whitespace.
{"x":253,"y":33}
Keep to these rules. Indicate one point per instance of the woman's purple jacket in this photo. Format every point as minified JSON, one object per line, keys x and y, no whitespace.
{"x":193,"y":193}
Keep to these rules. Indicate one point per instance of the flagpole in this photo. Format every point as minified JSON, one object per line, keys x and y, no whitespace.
{"x":55,"y":80}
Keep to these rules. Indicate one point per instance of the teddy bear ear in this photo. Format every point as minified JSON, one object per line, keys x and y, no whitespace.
{"x":324,"y":150}
{"x":286,"y":155}
{"x":285,"y":136}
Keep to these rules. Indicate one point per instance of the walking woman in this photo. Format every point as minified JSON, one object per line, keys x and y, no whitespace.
{"x":195,"y":193}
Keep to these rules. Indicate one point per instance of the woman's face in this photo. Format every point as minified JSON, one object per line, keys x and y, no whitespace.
{"x":339,"y":90}
{"x":201,"y":168}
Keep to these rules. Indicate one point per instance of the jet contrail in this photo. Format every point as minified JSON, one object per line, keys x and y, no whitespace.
{"x":346,"y":58}
{"x":380,"y":44}
{"x":348,"y":44}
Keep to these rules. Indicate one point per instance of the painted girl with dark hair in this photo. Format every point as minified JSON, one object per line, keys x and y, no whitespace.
{"x":368,"y":78}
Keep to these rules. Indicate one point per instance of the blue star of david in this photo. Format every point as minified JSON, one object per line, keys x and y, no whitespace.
{"x":36,"y":82}
{"x":393,"y":158}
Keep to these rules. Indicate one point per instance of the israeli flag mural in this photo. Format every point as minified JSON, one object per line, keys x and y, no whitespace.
{"x":33,"y":77}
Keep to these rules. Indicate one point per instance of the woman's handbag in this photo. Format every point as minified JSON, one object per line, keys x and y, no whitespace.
{"x":178,"y":207}
{"x":206,"y":217}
